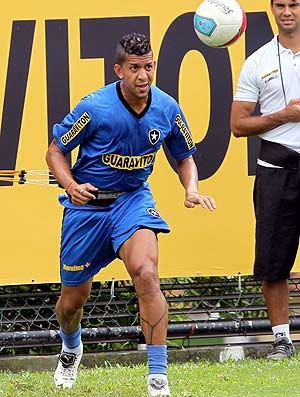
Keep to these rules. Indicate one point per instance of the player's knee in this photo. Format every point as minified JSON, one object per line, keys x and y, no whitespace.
{"x":146,"y":281}
{"x":145,"y":273}
{"x":69,"y":306}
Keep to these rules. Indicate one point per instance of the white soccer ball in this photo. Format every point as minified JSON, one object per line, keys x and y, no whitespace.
{"x":219,"y":23}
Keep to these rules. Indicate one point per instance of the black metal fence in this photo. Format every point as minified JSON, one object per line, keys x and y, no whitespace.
{"x":202,"y":311}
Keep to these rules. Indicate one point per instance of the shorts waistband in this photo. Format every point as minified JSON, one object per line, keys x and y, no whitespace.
{"x":277,"y":154}
{"x":107,"y":194}
{"x":104,"y":198}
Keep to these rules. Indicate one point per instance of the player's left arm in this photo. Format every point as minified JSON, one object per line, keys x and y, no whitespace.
{"x":188,"y":176}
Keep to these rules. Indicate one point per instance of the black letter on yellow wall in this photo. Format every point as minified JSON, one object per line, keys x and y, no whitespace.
{"x":15,"y":90}
{"x":99,"y":37}
{"x":57,"y":64}
{"x":258,"y":32}
{"x":213,"y":148}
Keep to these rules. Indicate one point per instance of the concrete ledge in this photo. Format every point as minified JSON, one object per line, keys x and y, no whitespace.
{"x":90,"y":360}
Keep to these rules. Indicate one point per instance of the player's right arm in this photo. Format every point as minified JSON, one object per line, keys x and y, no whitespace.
{"x":58,"y":164}
{"x":244,"y":123}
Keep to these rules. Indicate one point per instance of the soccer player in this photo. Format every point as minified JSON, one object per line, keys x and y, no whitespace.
{"x":271,"y":76}
{"x":109,"y":211}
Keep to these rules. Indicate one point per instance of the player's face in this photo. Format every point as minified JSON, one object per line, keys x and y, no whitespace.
{"x":136,"y":74}
{"x":287,"y":15}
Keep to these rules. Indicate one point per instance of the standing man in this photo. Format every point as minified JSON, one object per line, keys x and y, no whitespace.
{"x":109,"y":209}
{"x":271,"y":76}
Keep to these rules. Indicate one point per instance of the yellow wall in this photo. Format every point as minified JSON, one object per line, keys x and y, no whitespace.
{"x":201,"y":243}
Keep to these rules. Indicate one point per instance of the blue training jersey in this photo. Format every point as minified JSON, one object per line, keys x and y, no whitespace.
{"x":117,"y":146}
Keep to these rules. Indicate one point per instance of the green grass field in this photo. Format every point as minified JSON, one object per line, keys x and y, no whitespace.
{"x":255,"y":378}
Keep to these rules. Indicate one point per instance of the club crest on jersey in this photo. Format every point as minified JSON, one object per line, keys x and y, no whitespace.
{"x":153,"y":212}
{"x":154,"y":136}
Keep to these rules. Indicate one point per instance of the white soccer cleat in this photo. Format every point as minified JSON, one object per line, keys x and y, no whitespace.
{"x":158,"y":387}
{"x":66,"y":372}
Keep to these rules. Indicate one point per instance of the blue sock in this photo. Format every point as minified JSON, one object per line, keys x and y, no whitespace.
{"x":71,"y":341}
{"x":157,"y":359}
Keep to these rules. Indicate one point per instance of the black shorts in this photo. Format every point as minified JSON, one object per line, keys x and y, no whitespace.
{"x":277,"y":209}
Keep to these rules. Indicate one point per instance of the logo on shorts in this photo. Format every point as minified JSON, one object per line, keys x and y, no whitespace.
{"x":153,"y":212}
{"x":154,"y":136}
{"x":74,"y":268}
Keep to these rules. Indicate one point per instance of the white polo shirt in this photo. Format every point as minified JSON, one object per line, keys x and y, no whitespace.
{"x":260,"y":81}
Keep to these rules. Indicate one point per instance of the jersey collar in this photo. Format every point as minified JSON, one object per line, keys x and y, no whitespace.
{"x":128,"y":107}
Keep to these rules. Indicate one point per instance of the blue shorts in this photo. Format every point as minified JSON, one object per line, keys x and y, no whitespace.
{"x":91,"y":236}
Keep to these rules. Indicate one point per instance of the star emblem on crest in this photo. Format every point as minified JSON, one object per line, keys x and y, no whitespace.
{"x":154,"y":136}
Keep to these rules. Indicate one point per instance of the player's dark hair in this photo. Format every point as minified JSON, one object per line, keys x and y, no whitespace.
{"x":133,"y":43}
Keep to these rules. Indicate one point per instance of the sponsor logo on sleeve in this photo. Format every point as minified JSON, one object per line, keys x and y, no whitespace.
{"x":78,"y":126}
{"x":185,"y":131}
